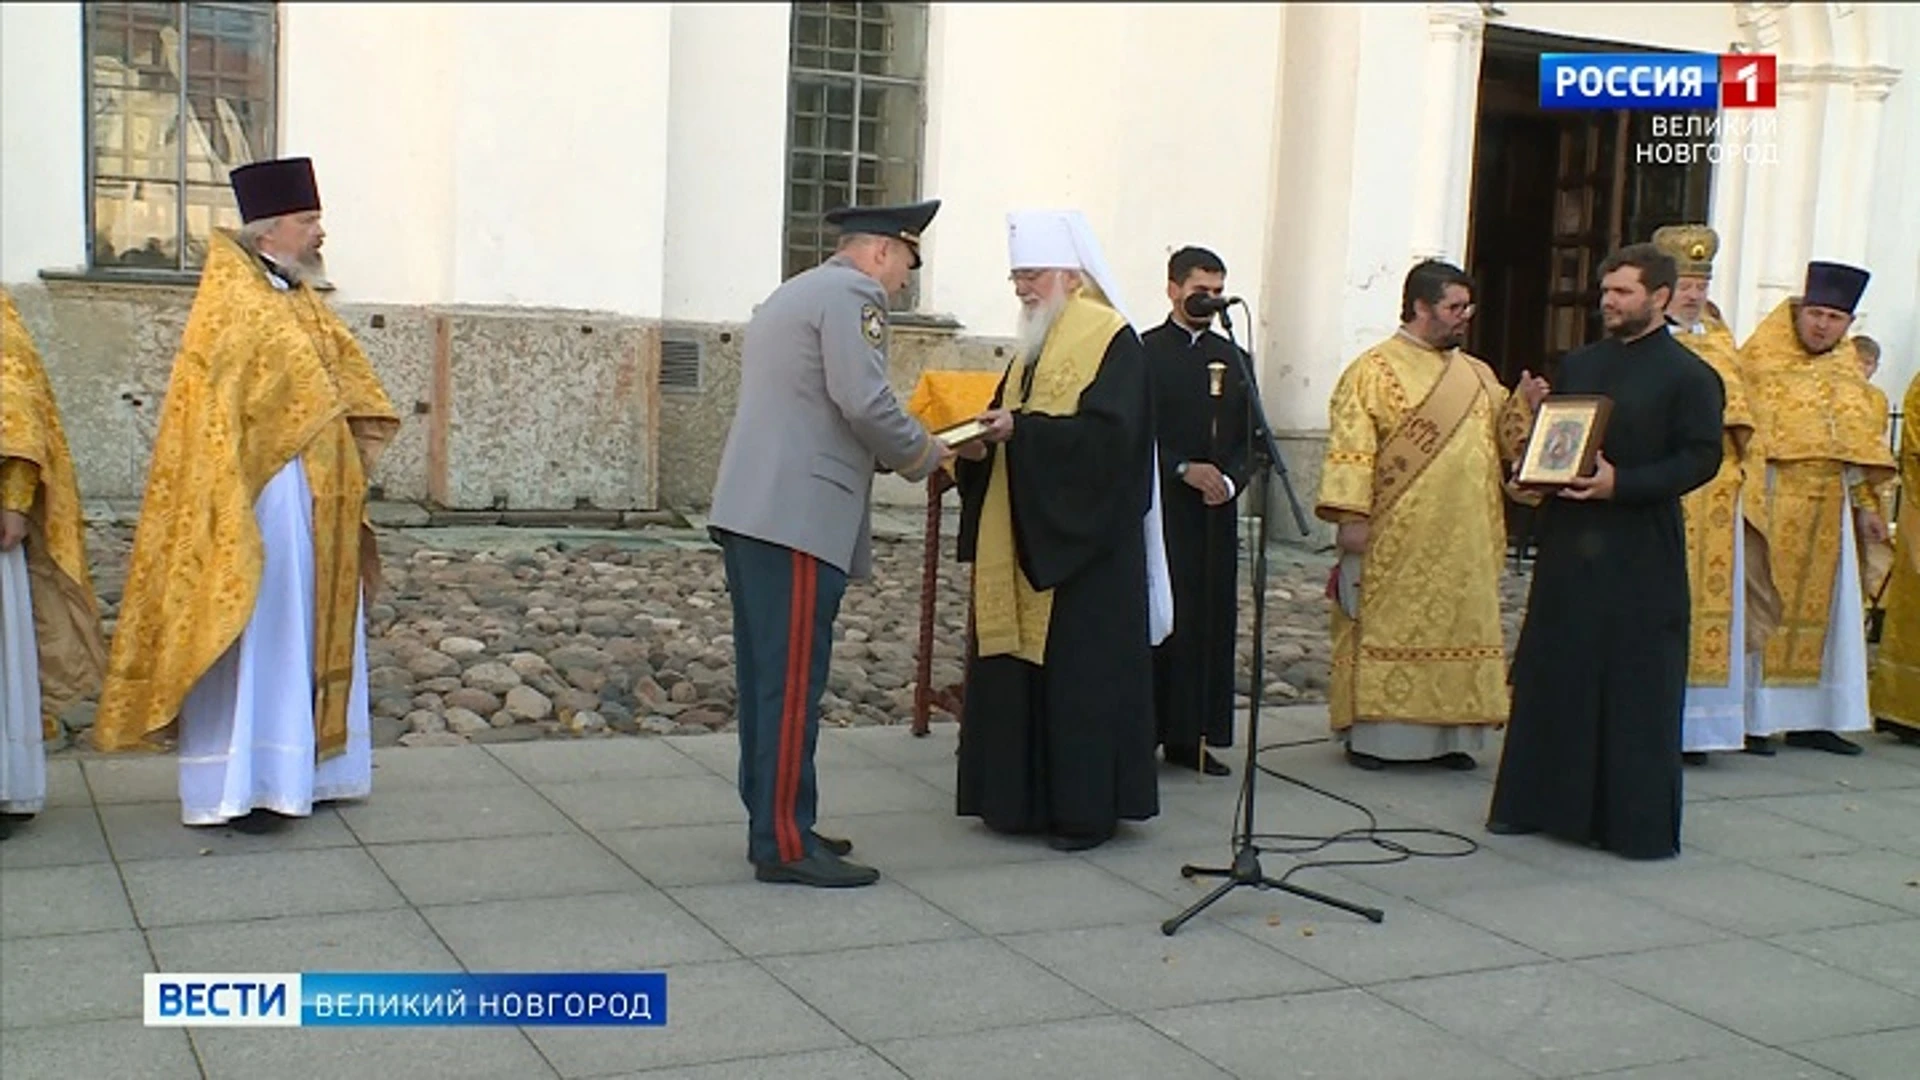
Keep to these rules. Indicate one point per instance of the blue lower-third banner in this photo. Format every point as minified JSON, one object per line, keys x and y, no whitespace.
{"x":406,"y":999}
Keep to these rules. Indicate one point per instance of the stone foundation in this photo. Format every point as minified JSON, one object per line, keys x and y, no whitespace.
{"x":506,"y":413}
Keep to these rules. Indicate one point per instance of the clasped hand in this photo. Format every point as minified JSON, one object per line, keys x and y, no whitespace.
{"x":1207,"y":479}
{"x":1597,"y":486}
{"x":1872,"y":526}
{"x":13,"y":529}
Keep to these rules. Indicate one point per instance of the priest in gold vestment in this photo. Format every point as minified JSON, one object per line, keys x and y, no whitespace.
{"x":242,"y":631}
{"x":1412,"y":477}
{"x":51,"y":652}
{"x":1827,"y":469}
{"x":1876,"y":557}
{"x":1728,"y":570}
{"x":1895,"y":687}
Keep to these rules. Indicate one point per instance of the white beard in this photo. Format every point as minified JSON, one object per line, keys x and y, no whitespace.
{"x":1036,"y":322}
{"x":308,"y":269}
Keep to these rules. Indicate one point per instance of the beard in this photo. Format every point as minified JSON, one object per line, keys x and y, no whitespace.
{"x":1631,"y":324}
{"x":307,"y":268}
{"x":310,"y":269}
{"x":1036,"y":322}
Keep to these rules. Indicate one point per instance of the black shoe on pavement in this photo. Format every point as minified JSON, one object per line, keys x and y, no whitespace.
{"x":257,"y":822}
{"x":1501,"y":828}
{"x":834,"y":844}
{"x":821,"y":870}
{"x":1759,"y":746}
{"x":1823,"y":740}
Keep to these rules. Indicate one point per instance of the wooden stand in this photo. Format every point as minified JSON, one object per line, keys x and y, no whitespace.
{"x":948,"y":699}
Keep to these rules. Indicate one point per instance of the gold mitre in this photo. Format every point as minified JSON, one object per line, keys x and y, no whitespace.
{"x":1692,"y":247}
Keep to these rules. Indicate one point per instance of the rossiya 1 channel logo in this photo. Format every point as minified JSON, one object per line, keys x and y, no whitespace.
{"x":1663,"y":81}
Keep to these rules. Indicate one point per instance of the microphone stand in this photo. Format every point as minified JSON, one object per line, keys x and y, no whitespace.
{"x":1216,"y":378}
{"x":1246,"y":870}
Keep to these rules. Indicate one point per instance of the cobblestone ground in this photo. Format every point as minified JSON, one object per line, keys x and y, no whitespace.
{"x":497,"y":634}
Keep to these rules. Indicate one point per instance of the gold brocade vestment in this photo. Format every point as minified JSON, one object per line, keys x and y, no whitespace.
{"x":1820,"y":420}
{"x":263,"y":376}
{"x":1717,"y":516}
{"x":36,"y":479}
{"x":1429,"y":646}
{"x":1894,"y":690}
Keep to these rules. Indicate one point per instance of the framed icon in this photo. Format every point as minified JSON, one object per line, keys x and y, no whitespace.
{"x":1567,"y":434}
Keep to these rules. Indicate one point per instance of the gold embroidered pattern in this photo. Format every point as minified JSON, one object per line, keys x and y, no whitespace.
{"x":1817,"y":416}
{"x":1428,"y":646}
{"x":66,"y":614}
{"x":262,"y":376}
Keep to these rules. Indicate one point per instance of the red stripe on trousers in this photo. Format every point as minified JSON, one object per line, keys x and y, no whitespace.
{"x":793,"y":716}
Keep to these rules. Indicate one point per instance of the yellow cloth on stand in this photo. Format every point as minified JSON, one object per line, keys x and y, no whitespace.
{"x":944,"y":398}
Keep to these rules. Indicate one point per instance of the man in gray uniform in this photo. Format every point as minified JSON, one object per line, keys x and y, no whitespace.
{"x":816,"y":419}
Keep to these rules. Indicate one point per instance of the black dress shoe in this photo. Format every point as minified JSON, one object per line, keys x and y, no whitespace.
{"x":6,"y":828}
{"x":1823,"y":740}
{"x":1694,"y":757}
{"x":1501,"y":828}
{"x":1364,"y":761}
{"x":1074,"y":841}
{"x":834,"y":844}
{"x":821,"y":870}
{"x":1759,"y":746}
{"x":257,"y":822}
{"x":1458,"y":761}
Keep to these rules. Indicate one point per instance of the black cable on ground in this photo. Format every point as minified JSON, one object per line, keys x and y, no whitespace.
{"x":1371,"y":834}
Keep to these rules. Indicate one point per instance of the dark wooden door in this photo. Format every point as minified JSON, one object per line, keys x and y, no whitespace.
{"x":1583,"y":229}
{"x":1663,"y":193}
{"x":1512,"y":210}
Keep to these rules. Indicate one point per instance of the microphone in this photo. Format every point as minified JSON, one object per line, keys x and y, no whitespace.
{"x":1202,"y":306}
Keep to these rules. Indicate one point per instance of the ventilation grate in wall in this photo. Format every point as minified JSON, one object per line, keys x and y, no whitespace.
{"x":680,"y":364}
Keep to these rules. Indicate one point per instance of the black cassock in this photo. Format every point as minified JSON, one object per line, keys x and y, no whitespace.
{"x":1193,"y":668}
{"x":1067,"y":747}
{"x":1600,"y":674}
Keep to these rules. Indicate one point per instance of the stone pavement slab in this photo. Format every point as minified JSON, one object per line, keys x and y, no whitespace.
{"x":1783,"y":943}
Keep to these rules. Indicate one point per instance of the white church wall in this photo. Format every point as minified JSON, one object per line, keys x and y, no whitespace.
{"x":1708,"y":28}
{"x":367,"y":91}
{"x":725,"y":159}
{"x":43,"y":210}
{"x":1892,"y":214}
{"x":1153,"y":119}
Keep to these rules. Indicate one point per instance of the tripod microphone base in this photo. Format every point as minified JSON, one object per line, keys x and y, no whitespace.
{"x":1246,"y":871}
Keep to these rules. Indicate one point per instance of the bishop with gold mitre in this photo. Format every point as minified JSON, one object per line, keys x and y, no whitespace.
{"x":242,"y":632}
{"x":1729,"y":572}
